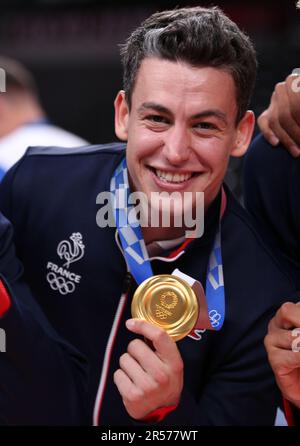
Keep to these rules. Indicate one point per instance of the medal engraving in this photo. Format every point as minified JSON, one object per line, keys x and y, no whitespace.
{"x":167,"y":301}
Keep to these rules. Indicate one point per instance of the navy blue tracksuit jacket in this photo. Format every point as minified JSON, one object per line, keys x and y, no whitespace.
{"x":76,"y":271}
{"x":272,"y":195}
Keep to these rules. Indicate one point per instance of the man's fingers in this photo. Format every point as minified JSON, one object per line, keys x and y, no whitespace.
{"x":148,"y":360}
{"x":286,"y":118}
{"x":279,"y":339}
{"x":288,"y":316}
{"x":284,"y":361}
{"x":291,"y":129}
{"x":126,"y":387}
{"x":293,"y":91}
{"x":263,"y":123}
{"x":279,"y":122}
{"x":283,"y":136}
{"x":164,"y":345}
{"x":132,"y":368}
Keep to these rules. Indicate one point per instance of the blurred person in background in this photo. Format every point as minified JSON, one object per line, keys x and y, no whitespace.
{"x":23,"y":122}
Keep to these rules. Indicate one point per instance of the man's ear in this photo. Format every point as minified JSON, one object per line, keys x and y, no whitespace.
{"x":121,"y":116}
{"x":244,"y":134}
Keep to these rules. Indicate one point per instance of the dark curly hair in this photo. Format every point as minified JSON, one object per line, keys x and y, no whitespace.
{"x":198,"y":36}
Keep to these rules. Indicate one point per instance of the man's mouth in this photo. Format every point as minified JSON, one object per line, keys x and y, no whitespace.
{"x":172,"y":177}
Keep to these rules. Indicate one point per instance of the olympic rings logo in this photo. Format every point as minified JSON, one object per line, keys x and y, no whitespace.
{"x":215,"y":318}
{"x":160,"y":314}
{"x":58,"y":283}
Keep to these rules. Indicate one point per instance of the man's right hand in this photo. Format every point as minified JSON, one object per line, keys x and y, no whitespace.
{"x":280,"y":343}
{"x":280,"y":122}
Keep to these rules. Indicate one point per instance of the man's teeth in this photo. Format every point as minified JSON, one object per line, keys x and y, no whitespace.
{"x":173,"y":177}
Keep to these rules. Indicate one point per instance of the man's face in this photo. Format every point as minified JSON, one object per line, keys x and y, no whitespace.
{"x":181,"y":128}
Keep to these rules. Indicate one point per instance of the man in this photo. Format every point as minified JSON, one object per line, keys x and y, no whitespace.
{"x":23,"y":122}
{"x":272,"y":196}
{"x":188,"y":77}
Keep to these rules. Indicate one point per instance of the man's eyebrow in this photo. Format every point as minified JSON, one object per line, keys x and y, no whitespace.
{"x":153,"y":106}
{"x":213,"y":112}
{"x":161,"y":109}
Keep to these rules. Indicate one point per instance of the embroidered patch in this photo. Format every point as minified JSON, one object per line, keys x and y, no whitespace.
{"x":60,"y":278}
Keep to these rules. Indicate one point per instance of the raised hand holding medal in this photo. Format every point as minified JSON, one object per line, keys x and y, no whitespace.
{"x":166,"y":308}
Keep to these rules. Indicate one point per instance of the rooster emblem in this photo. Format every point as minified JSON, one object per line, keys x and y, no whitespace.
{"x":71,"y":251}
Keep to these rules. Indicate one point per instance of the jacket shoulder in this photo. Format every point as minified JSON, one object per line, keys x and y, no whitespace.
{"x":82,"y":150}
{"x":259,"y":251}
{"x":43,"y":169}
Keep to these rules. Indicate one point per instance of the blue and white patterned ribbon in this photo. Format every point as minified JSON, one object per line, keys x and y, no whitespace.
{"x":136,"y":254}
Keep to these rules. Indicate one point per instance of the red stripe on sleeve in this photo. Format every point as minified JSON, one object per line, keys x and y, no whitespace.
{"x":5,"y":301}
{"x":158,"y":414}
{"x":288,"y":413}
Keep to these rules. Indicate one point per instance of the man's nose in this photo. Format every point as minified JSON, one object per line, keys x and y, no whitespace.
{"x":177,"y":145}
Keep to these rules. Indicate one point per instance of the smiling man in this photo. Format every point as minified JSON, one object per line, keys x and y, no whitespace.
{"x":188,"y":78}
{"x":181,"y":128}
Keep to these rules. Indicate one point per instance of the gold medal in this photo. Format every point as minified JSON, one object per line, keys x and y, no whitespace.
{"x":168,"y":301}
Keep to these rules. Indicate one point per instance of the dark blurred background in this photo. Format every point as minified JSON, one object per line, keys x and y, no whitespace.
{"x":71,"y":46}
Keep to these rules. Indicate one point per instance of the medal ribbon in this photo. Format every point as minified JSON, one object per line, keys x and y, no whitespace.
{"x":136,"y":254}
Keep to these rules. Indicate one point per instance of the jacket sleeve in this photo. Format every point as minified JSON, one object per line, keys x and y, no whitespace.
{"x":42,"y":377}
{"x":6,"y":190}
{"x":272,"y":196}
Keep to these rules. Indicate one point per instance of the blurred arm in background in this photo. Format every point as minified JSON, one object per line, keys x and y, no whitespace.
{"x":280,"y":122}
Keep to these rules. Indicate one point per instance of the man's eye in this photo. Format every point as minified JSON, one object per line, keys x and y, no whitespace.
{"x":157,"y":119}
{"x":205,"y":126}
